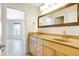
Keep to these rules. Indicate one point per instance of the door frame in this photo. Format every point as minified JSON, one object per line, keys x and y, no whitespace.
{"x":4,"y":26}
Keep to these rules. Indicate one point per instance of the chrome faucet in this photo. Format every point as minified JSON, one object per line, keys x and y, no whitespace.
{"x":64,"y":35}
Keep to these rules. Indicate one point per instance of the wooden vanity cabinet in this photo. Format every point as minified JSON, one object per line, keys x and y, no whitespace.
{"x":37,"y":48}
{"x":42,"y":47}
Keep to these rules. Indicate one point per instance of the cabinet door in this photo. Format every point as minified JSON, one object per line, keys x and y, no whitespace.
{"x":39,"y":47}
{"x":48,"y":51}
{"x":33,"y":45}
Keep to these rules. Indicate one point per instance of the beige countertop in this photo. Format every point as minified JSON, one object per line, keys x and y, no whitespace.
{"x":74,"y":43}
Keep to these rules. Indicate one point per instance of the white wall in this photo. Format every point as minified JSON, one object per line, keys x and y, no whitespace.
{"x":71,"y":30}
{"x":31,"y":17}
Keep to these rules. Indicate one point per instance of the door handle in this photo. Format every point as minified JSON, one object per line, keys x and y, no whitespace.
{"x":1,"y":46}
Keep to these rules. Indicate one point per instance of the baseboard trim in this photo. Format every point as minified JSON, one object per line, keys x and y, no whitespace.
{"x":29,"y":53}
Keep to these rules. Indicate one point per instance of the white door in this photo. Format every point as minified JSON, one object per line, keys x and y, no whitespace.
{"x":14,"y":42}
{"x":1,"y":44}
{"x":1,"y":32}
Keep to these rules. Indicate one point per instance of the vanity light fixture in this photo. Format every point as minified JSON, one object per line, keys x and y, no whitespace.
{"x":47,"y":7}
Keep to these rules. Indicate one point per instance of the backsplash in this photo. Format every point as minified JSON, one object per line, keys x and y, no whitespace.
{"x":70,"y":30}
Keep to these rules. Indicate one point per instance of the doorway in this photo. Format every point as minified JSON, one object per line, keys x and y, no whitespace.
{"x":15,"y":32}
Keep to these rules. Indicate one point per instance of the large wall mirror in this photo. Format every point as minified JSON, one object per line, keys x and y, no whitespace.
{"x":63,"y":16}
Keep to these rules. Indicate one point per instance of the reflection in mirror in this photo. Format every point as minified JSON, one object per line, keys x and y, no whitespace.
{"x":64,"y":16}
{"x":59,"y":20}
{"x":49,"y":20}
{"x":46,"y":20}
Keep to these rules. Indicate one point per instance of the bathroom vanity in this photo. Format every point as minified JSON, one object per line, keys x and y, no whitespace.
{"x":52,"y":45}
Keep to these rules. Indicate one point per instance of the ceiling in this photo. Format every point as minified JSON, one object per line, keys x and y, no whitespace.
{"x":36,"y":4}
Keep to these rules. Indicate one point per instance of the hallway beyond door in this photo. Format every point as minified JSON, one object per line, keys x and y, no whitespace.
{"x":15,"y":47}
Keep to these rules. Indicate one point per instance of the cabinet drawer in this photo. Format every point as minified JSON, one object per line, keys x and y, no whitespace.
{"x":62,"y":48}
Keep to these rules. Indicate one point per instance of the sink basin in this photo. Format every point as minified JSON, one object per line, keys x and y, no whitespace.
{"x":62,"y":40}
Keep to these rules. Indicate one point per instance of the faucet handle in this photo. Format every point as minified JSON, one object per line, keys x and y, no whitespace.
{"x":64,"y":34}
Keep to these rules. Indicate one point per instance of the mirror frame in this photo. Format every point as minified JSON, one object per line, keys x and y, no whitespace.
{"x":61,"y":25}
